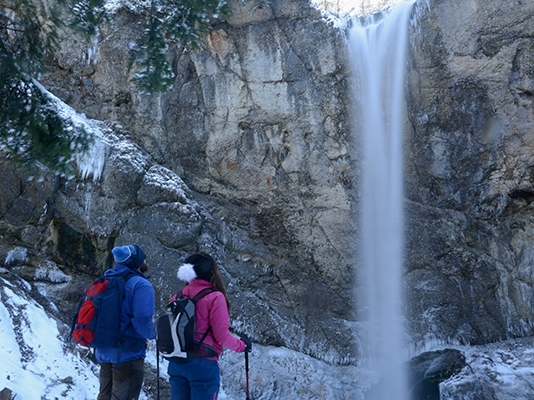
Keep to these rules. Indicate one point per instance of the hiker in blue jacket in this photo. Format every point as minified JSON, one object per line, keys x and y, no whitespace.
{"x":138,"y":308}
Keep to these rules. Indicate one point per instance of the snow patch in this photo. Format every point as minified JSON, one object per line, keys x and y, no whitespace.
{"x":338,"y":20}
{"x":34,"y":362}
{"x":504,"y":370}
{"x":135,"y":6}
{"x":51,"y":273}
{"x":16,"y":256}
{"x":166,"y":180}
{"x":92,"y":162}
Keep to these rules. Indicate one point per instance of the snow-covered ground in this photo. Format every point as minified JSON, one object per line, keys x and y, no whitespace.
{"x":497,"y":371}
{"x":39,"y":362}
{"x":35,"y":363}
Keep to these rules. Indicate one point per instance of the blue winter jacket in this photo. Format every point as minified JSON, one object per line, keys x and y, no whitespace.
{"x":138,"y":308}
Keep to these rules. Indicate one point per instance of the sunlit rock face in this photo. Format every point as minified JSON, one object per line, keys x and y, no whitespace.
{"x":470,"y":158}
{"x":249,"y":157}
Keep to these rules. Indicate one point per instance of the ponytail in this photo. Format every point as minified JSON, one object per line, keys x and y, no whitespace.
{"x":217,"y":283}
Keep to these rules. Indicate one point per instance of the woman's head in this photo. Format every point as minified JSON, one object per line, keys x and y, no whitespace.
{"x":201,"y":266}
{"x":197,"y":266}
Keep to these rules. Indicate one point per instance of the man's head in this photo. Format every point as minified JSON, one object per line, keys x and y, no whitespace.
{"x":132,"y":256}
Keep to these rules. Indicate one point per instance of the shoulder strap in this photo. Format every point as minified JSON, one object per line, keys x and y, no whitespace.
{"x":180,"y":295}
{"x":199,"y":295}
{"x":130,"y":275}
{"x":203,"y":293}
{"x":174,"y":297}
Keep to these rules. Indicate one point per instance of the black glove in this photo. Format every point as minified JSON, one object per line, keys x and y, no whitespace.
{"x":247,"y":342}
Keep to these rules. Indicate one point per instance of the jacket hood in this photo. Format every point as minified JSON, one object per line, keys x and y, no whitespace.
{"x":121,"y":269}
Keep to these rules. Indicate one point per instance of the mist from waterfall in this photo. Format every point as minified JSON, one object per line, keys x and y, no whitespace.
{"x":378,"y":46}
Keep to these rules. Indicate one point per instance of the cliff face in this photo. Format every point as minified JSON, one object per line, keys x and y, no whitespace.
{"x":469,"y":171}
{"x":249,"y":157}
{"x":252,"y":145}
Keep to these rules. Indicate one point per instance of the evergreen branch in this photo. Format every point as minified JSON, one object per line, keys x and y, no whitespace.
{"x":31,"y":128}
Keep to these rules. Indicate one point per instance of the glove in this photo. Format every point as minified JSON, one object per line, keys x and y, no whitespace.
{"x":247,"y":342}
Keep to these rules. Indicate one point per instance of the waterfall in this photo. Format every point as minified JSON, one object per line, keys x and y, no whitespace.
{"x":378,"y":46}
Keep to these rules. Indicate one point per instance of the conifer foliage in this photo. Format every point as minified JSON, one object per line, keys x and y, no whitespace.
{"x":183,"y":22}
{"x":31,"y":128}
{"x":87,"y":15}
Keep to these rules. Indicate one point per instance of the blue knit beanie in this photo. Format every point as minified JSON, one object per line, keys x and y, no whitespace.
{"x":132,"y":256}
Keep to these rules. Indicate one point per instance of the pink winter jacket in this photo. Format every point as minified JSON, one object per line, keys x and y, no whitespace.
{"x":211,"y":310}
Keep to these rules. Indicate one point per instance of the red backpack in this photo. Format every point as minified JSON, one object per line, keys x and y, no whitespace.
{"x":97,"y":321}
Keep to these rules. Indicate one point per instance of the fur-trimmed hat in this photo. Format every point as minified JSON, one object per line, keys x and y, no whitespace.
{"x":196,"y":266}
{"x":132,"y":256}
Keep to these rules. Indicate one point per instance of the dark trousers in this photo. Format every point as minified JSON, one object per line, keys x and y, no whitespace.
{"x":123,"y":383}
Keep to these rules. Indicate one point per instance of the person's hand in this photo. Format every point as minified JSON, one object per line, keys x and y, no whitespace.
{"x":247,"y":342}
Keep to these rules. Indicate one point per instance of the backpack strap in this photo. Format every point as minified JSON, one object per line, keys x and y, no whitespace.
{"x":173,"y":298}
{"x":200,"y":295}
{"x":196,"y":298}
{"x":203,"y":293}
{"x":126,"y":277}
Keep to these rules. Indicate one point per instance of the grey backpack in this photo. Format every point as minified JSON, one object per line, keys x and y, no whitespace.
{"x":175,"y":330}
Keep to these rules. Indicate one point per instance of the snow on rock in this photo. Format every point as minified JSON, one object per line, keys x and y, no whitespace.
{"x":280,"y":373}
{"x":497,"y":371}
{"x":50,"y":272}
{"x":127,"y":152}
{"x":16,"y":256}
{"x":162,"y":185}
{"x":35,"y":363}
{"x":105,"y":143}
{"x":91,"y":162}
{"x":113,"y":6}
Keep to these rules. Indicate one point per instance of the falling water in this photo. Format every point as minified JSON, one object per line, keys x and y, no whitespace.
{"x":378,"y":45}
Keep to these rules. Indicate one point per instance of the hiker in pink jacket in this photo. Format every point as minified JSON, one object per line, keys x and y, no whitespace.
{"x":199,"y":378}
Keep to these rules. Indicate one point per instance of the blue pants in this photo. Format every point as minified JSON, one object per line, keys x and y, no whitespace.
{"x":198,"y":379}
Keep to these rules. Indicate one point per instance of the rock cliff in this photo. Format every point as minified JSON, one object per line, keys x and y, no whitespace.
{"x":469,"y":172}
{"x":247,"y":157}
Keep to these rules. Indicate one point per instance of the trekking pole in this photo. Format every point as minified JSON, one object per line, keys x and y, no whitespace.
{"x":246,"y":374}
{"x":157,"y":370}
